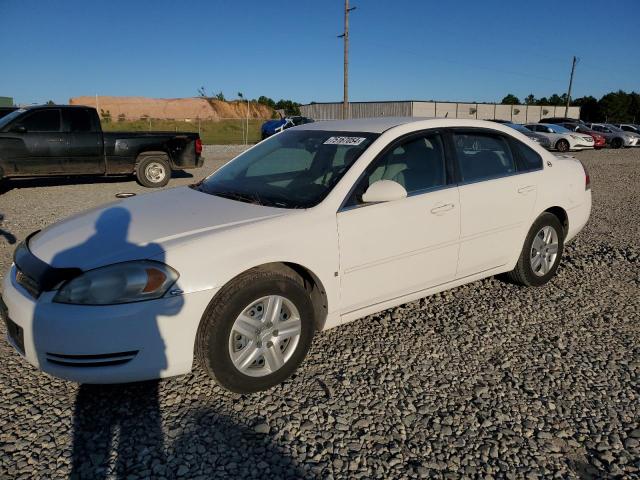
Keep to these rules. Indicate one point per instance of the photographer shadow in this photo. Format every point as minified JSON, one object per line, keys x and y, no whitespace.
{"x":117,"y":429}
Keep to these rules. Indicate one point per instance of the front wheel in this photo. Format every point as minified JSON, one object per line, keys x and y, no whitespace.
{"x":562,"y":146}
{"x":541,"y":253}
{"x":617,"y":143}
{"x":257,"y":330}
{"x":153,"y":172}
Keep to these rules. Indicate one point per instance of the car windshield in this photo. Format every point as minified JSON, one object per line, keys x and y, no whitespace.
{"x":293,"y":169}
{"x":559,"y":129}
{"x":7,"y":119}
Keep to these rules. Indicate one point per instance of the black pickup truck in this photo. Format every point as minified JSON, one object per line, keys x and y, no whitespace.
{"x":54,"y":140}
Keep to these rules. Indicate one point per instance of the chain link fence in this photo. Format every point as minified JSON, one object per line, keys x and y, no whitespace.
{"x":225,"y":131}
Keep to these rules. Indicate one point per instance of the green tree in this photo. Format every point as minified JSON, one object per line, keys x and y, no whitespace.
{"x":50,"y":102}
{"x":290,"y":107}
{"x":510,"y":99}
{"x":556,"y":100}
{"x":589,"y":108}
{"x":617,"y":106}
{"x":530,"y":99}
{"x":220,"y":96}
{"x":121,"y":118}
{"x":266,"y":101}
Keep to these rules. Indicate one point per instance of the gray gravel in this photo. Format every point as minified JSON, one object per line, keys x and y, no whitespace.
{"x":488,"y":380}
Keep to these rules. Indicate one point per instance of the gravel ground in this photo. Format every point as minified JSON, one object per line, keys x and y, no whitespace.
{"x":488,"y":380}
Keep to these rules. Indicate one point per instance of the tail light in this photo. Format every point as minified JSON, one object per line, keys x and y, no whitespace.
{"x":587,"y":179}
{"x":198,"y":146}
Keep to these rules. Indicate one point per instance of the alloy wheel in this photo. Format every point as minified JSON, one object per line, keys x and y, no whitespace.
{"x":544,"y":251}
{"x":264,"y":336}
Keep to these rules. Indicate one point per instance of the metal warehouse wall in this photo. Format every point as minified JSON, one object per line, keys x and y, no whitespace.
{"x":333,"y":111}
{"x":482,"y":111}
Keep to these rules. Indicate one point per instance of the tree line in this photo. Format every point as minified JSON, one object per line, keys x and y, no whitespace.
{"x":614,"y":107}
{"x":289,"y":106}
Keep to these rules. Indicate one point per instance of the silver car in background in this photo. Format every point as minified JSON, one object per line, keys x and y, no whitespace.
{"x":562,"y":139}
{"x":616,"y":137}
{"x":536,"y":137}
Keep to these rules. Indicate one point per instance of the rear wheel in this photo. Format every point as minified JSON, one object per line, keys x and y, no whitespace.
{"x":617,"y":143}
{"x":257,"y":330}
{"x":541,"y":252}
{"x":153,"y":171}
{"x":562,"y":145}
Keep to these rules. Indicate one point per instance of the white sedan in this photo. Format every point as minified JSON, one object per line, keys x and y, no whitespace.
{"x":561,"y":138}
{"x":315,"y":227}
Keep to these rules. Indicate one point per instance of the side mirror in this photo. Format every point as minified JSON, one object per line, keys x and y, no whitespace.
{"x":19,"y":129}
{"x":384,"y":191}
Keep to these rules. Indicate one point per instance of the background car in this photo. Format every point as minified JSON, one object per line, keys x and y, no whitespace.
{"x":536,"y":137}
{"x":629,"y":127}
{"x":616,"y":137}
{"x":559,"y":120}
{"x":562,"y":139}
{"x":272,"y":127}
{"x":7,"y":110}
{"x":598,"y":140}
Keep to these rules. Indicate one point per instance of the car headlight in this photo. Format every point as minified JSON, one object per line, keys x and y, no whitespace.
{"x":119,"y":283}
{"x":534,"y":139}
{"x":575,"y":137}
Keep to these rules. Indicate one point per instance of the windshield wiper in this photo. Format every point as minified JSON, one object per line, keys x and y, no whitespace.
{"x":241,"y":196}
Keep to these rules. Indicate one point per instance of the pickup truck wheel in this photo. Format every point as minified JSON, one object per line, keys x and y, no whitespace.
{"x":257,"y":330}
{"x":541,"y":253}
{"x":153,"y":172}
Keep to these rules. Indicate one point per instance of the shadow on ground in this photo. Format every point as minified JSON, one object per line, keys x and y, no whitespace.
{"x":121,"y":433}
{"x":18,"y":183}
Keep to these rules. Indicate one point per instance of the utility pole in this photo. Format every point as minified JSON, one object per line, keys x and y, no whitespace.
{"x":345,"y":36}
{"x":573,"y":67}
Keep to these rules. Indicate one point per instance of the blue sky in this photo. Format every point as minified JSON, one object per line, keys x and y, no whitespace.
{"x":464,"y":50}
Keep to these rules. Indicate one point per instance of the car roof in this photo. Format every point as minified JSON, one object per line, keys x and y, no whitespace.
{"x":29,"y":107}
{"x":382,"y":124}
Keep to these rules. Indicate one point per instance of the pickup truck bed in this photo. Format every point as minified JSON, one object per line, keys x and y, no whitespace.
{"x":68,"y":140}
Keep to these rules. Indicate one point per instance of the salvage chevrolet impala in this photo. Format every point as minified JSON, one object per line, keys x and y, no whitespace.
{"x":314,"y":227}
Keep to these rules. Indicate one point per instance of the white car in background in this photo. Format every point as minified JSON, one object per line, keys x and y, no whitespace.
{"x":312,"y":228}
{"x":561,"y":138}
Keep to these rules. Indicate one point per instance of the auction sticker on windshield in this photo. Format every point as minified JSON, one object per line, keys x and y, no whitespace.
{"x":344,"y":141}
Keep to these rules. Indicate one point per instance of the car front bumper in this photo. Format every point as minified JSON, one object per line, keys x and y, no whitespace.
{"x":104,"y":344}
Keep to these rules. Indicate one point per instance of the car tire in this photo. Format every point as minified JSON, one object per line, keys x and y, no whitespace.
{"x":617,"y":143}
{"x":247,"y":363}
{"x":539,"y":259}
{"x":562,"y":145}
{"x":153,"y":171}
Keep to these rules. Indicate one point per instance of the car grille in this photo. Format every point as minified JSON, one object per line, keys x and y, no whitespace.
{"x":98,"y":360}
{"x":28,"y":283}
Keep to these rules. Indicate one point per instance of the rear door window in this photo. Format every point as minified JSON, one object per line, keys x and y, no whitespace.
{"x":77,"y":120}
{"x":528,"y":159}
{"x":483,"y":156}
{"x":43,"y":121}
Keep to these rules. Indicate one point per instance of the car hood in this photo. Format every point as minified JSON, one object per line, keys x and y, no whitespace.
{"x":139,"y":227}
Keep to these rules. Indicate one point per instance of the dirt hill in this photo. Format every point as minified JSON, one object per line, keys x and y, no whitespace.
{"x":134,"y":108}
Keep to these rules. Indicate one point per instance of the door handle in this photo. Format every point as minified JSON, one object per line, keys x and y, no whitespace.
{"x":55,"y":140}
{"x":441,"y":209}
{"x":527,"y":189}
